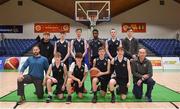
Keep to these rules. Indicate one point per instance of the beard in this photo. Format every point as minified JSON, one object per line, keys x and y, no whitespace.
{"x":35,"y":53}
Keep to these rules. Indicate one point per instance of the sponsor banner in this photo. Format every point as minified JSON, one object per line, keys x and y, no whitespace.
{"x":171,"y":62}
{"x":137,"y":27}
{"x":11,"y":63}
{"x":2,"y":60}
{"x":22,"y":61}
{"x":51,"y":27}
{"x":156,"y":62}
{"x":11,"y":28}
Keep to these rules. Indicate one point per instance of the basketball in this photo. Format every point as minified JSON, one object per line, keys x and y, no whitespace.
{"x":11,"y":63}
{"x":93,"y":72}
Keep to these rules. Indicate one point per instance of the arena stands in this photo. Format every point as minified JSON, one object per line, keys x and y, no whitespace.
{"x":162,"y":47}
{"x":17,"y":47}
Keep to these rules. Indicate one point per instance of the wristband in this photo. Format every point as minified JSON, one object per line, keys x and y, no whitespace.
{"x":142,"y":78}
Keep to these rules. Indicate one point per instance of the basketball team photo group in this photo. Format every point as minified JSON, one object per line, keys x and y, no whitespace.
{"x":98,"y":54}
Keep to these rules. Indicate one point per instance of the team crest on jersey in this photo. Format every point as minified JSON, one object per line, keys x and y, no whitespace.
{"x":65,"y":46}
{"x":124,"y":65}
{"x":81,"y":43}
{"x":98,"y":43}
{"x":117,"y":43}
{"x":59,"y":70}
{"x":81,"y":70}
{"x":144,"y":65}
{"x":47,"y":47}
{"x":105,"y":63}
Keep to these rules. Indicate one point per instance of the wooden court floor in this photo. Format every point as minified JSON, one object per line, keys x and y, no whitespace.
{"x":168,"y":79}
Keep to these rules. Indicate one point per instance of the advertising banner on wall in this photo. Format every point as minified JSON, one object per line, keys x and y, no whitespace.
{"x":137,"y":27}
{"x":2,"y":60}
{"x":171,"y":62}
{"x":11,"y":63}
{"x":51,"y":27}
{"x":156,"y":62}
{"x":11,"y":28}
{"x":22,"y":61}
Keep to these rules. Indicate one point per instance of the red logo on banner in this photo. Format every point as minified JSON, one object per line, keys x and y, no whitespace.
{"x":156,"y":62}
{"x":51,"y":27}
{"x":137,"y":27}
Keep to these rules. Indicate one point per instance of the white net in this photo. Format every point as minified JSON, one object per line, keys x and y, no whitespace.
{"x":93,"y":19}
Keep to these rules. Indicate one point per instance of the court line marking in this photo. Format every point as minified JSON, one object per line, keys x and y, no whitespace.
{"x":174,"y":105}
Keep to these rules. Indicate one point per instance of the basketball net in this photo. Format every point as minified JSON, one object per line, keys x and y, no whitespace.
{"x":93,"y":19}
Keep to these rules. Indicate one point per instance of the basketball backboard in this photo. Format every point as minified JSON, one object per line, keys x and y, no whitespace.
{"x":99,"y":10}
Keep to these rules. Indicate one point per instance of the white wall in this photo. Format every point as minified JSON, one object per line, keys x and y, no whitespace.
{"x":31,"y":13}
{"x":162,"y":21}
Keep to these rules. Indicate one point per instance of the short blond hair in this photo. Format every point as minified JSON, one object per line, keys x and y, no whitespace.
{"x":57,"y":54}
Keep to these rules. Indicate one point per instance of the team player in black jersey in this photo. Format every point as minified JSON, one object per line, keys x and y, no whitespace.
{"x":76,"y":77}
{"x":112,"y":44}
{"x":121,"y":75}
{"x":94,"y":46}
{"x":103,"y":64}
{"x":58,"y":78}
{"x":78,"y":45}
{"x":63,"y":46}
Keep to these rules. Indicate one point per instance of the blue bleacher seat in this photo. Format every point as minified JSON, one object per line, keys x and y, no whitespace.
{"x":17,"y":47}
{"x":162,"y":47}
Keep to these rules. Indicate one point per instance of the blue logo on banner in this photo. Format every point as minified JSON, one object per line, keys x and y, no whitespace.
{"x":2,"y":60}
{"x":11,"y":29}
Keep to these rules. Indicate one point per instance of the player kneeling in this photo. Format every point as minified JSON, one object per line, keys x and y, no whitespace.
{"x":103,"y":67}
{"x":121,"y":75}
{"x":77,"y":75}
{"x":59,"y":77}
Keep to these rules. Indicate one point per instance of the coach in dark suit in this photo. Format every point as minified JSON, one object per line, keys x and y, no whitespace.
{"x":130,"y":44}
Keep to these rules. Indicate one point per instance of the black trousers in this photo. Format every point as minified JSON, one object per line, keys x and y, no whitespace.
{"x":28,"y":80}
{"x":138,"y":90}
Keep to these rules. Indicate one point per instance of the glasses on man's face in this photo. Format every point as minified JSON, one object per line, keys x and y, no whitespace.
{"x":95,"y":33}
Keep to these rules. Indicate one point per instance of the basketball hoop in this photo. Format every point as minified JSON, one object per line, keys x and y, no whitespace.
{"x":92,"y":11}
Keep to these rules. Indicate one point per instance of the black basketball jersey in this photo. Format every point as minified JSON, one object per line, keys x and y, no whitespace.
{"x":58,"y":73}
{"x":112,"y":46}
{"x":95,"y":44}
{"x":79,"y":72}
{"x":120,"y":68}
{"x":102,"y":65}
{"x":62,"y":48}
{"x":79,"y":46}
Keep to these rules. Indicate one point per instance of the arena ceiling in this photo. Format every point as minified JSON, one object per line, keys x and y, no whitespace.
{"x":3,"y":1}
{"x":66,"y":7}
